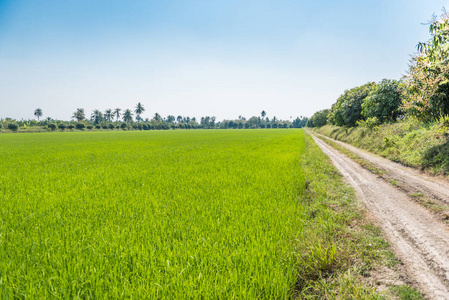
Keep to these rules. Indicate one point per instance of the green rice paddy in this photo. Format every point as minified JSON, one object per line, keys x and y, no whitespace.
{"x":150,"y":214}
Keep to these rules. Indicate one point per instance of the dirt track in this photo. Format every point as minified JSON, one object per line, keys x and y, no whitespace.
{"x":420,"y":239}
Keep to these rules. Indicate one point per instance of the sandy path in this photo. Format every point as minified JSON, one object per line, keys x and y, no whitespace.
{"x":420,"y":240}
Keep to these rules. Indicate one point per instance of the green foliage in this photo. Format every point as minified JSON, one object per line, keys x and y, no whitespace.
{"x":79,"y":114}
{"x":427,"y":85}
{"x":319,"y":118}
{"x":371,"y":123}
{"x":124,"y":126}
{"x":70,"y":126}
{"x":52,"y":126}
{"x":348,"y":108}
{"x":62,"y":126}
{"x":409,"y":142}
{"x":80,"y":126}
{"x":13,"y":126}
{"x":384,"y":101}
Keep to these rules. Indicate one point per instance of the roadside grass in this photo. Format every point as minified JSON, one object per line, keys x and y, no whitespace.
{"x":427,"y":201}
{"x":181,"y":214}
{"x":414,"y":144}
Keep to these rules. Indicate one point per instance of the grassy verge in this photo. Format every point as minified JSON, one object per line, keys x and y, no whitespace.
{"x":342,"y":249}
{"x":437,"y":207}
{"x":424,"y":146}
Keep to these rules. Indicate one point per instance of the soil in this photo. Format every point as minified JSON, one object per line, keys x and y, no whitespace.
{"x":419,"y":237}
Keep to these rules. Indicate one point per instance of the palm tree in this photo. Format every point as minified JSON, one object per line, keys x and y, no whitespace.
{"x":263,"y":114}
{"x":38,"y":113}
{"x":108,"y":114}
{"x":117,"y":113}
{"x":79,"y":114}
{"x":157,"y":117}
{"x":96,"y":116}
{"x":179,"y":119}
{"x":139,"y":110}
{"x":128,"y":116}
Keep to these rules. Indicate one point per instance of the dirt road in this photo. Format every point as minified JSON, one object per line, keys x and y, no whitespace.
{"x":420,"y":239}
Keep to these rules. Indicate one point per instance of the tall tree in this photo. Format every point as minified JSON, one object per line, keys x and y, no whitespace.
{"x":117,"y":113}
{"x":170,"y":118}
{"x":96,"y":116}
{"x":38,"y":113}
{"x":157,"y":117}
{"x":139,"y":110}
{"x":179,"y":119}
{"x":79,"y":114}
{"x":263,"y":114}
{"x":108,"y":115}
{"x":128,"y":116}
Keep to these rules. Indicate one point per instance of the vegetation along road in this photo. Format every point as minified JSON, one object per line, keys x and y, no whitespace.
{"x":407,"y":205}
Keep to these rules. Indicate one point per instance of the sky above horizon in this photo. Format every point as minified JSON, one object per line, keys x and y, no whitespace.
{"x":197,"y":58}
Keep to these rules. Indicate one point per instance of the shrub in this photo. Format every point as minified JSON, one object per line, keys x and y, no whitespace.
{"x":104,"y":126}
{"x":80,"y":126}
{"x":62,"y":126}
{"x":96,"y":126}
{"x":1,"y":125}
{"x":124,"y":126}
{"x":52,"y":126}
{"x":70,"y":126}
{"x":111,"y":126}
{"x":13,"y":126}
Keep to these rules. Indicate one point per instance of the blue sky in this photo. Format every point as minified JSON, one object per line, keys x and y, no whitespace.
{"x":197,"y":58}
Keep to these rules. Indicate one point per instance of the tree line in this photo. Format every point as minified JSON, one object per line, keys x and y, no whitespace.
{"x":128,"y":119}
{"x":422,"y":94}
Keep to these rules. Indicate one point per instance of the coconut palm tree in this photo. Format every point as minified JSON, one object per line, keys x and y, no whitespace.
{"x":38,"y":113}
{"x":263,"y":114}
{"x":128,"y":116}
{"x":117,"y":113}
{"x":108,"y":114}
{"x":96,"y":116}
{"x":139,"y":110}
{"x":79,"y":114}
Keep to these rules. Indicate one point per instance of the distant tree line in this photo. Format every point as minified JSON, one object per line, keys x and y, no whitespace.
{"x":112,"y":119}
{"x":422,"y":94}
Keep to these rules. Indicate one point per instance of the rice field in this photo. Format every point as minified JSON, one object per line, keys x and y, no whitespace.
{"x":160,"y":214}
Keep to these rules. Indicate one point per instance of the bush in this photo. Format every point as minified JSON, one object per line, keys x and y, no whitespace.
{"x":111,"y":126}
{"x":13,"y":126}
{"x":70,"y":126}
{"x":80,"y":126}
{"x":90,"y":127}
{"x":96,"y":126}
{"x":52,"y":126}
{"x":1,"y":125}
{"x":62,"y":126}
{"x":104,"y":126}
{"x":124,"y":126}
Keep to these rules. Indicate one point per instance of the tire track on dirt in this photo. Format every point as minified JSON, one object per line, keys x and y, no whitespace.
{"x":419,"y":239}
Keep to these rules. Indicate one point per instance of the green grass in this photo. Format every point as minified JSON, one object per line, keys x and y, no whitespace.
{"x":179,"y":214}
{"x":424,"y":146}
